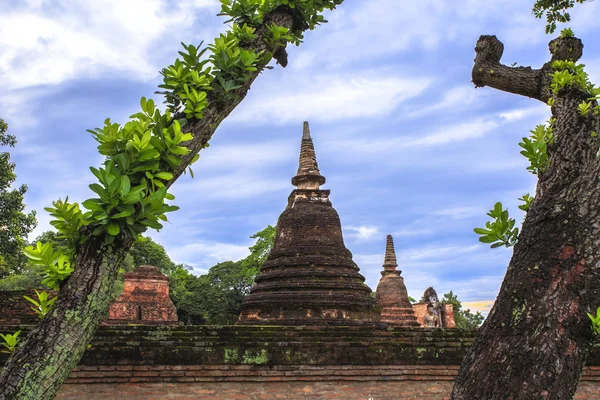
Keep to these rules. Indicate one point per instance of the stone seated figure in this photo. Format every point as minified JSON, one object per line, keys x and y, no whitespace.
{"x":431,"y":320}
{"x":431,"y":313}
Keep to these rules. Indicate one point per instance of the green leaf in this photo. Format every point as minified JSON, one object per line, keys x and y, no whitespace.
{"x":180,"y":150}
{"x":125,"y":185}
{"x":164,"y":175}
{"x":113,"y":229}
{"x":93,"y":204}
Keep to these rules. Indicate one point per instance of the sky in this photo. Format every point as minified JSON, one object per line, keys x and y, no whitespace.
{"x":408,"y":146}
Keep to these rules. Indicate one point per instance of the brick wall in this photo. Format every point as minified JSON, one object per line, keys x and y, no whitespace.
{"x":276,"y":362}
{"x":220,"y":382}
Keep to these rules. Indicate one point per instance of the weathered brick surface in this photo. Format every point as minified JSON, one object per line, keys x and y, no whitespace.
{"x":145,"y":299}
{"x":15,"y":310}
{"x":391,"y":291}
{"x":273,"y":345}
{"x":264,"y":362}
{"x":309,"y":277}
{"x":334,"y":390}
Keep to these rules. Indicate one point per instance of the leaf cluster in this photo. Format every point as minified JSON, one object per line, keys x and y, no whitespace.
{"x":568,"y":74}
{"x":535,"y":148}
{"x":555,"y":11}
{"x":55,"y":263}
{"x":253,"y":12}
{"x":10,"y":340}
{"x":500,"y":231}
{"x":527,"y":200}
{"x":43,"y":304}
{"x":595,"y":322}
{"x":142,"y":154}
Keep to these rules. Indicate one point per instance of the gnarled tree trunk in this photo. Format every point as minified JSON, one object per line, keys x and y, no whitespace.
{"x":537,"y":336}
{"x":54,"y":347}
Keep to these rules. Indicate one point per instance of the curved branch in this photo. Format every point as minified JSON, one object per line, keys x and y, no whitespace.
{"x":51,"y":350}
{"x":534,"y":83}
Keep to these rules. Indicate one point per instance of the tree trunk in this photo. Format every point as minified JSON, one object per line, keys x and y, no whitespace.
{"x":54,"y":347}
{"x":537,"y":336}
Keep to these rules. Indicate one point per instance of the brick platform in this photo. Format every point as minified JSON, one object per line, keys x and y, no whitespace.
{"x":228,"y":383}
{"x":276,"y":362}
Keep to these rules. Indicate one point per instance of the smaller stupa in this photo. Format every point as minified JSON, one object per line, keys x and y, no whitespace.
{"x":145,"y":300}
{"x":391,"y":292}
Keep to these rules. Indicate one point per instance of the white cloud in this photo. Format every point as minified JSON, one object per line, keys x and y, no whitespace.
{"x":519,"y":114}
{"x":456,"y":98}
{"x":456,"y":133}
{"x":254,"y":155}
{"x":329,"y":97}
{"x":204,"y":254}
{"x":412,"y":232}
{"x":459,"y":212}
{"x":362,"y":232}
{"x":443,"y":135}
{"x":230,"y":186}
{"x":40,"y":44}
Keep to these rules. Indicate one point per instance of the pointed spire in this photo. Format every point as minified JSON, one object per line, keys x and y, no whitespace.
{"x":389,"y":262}
{"x":308,"y":176}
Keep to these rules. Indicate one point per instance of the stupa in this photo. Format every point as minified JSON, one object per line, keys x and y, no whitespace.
{"x":309,"y":277}
{"x":391,"y":292}
{"x":145,"y":299}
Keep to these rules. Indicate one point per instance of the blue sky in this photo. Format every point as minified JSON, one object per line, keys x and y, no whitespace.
{"x":408,"y":146}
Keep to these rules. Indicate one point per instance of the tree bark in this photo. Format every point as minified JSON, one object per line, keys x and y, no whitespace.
{"x":537,"y":336}
{"x":54,"y":347}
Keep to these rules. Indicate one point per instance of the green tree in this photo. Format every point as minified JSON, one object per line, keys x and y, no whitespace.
{"x":216,"y":297}
{"x":465,"y":319}
{"x":537,"y":336}
{"x":146,"y":251}
{"x":144,"y":158}
{"x":259,"y":251}
{"x":15,"y":224}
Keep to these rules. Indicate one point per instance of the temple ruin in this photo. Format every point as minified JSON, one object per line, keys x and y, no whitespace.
{"x":391,"y":292}
{"x":309,"y":277}
{"x":431,"y":313}
{"x":145,"y":299}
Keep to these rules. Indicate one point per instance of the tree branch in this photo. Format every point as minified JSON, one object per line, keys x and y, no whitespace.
{"x":51,"y":350}
{"x":534,"y":83}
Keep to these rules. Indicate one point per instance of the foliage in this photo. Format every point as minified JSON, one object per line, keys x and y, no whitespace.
{"x":216,"y":297}
{"x":259,"y":251}
{"x":465,"y":319}
{"x":55,"y":263}
{"x":16,"y":224}
{"x":43,"y":303}
{"x":10,"y":341}
{"x":595,"y":322}
{"x":142,"y":154}
{"x":146,"y":251}
{"x":568,"y":74}
{"x":28,"y":278}
{"x":567,"y":33}
{"x":253,"y":12}
{"x":555,"y":11}
{"x":527,"y":200}
{"x":534,"y":148}
{"x":500,"y":231}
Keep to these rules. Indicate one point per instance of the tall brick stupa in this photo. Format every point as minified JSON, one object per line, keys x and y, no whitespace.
{"x":391,"y":292}
{"x":309,"y":277}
